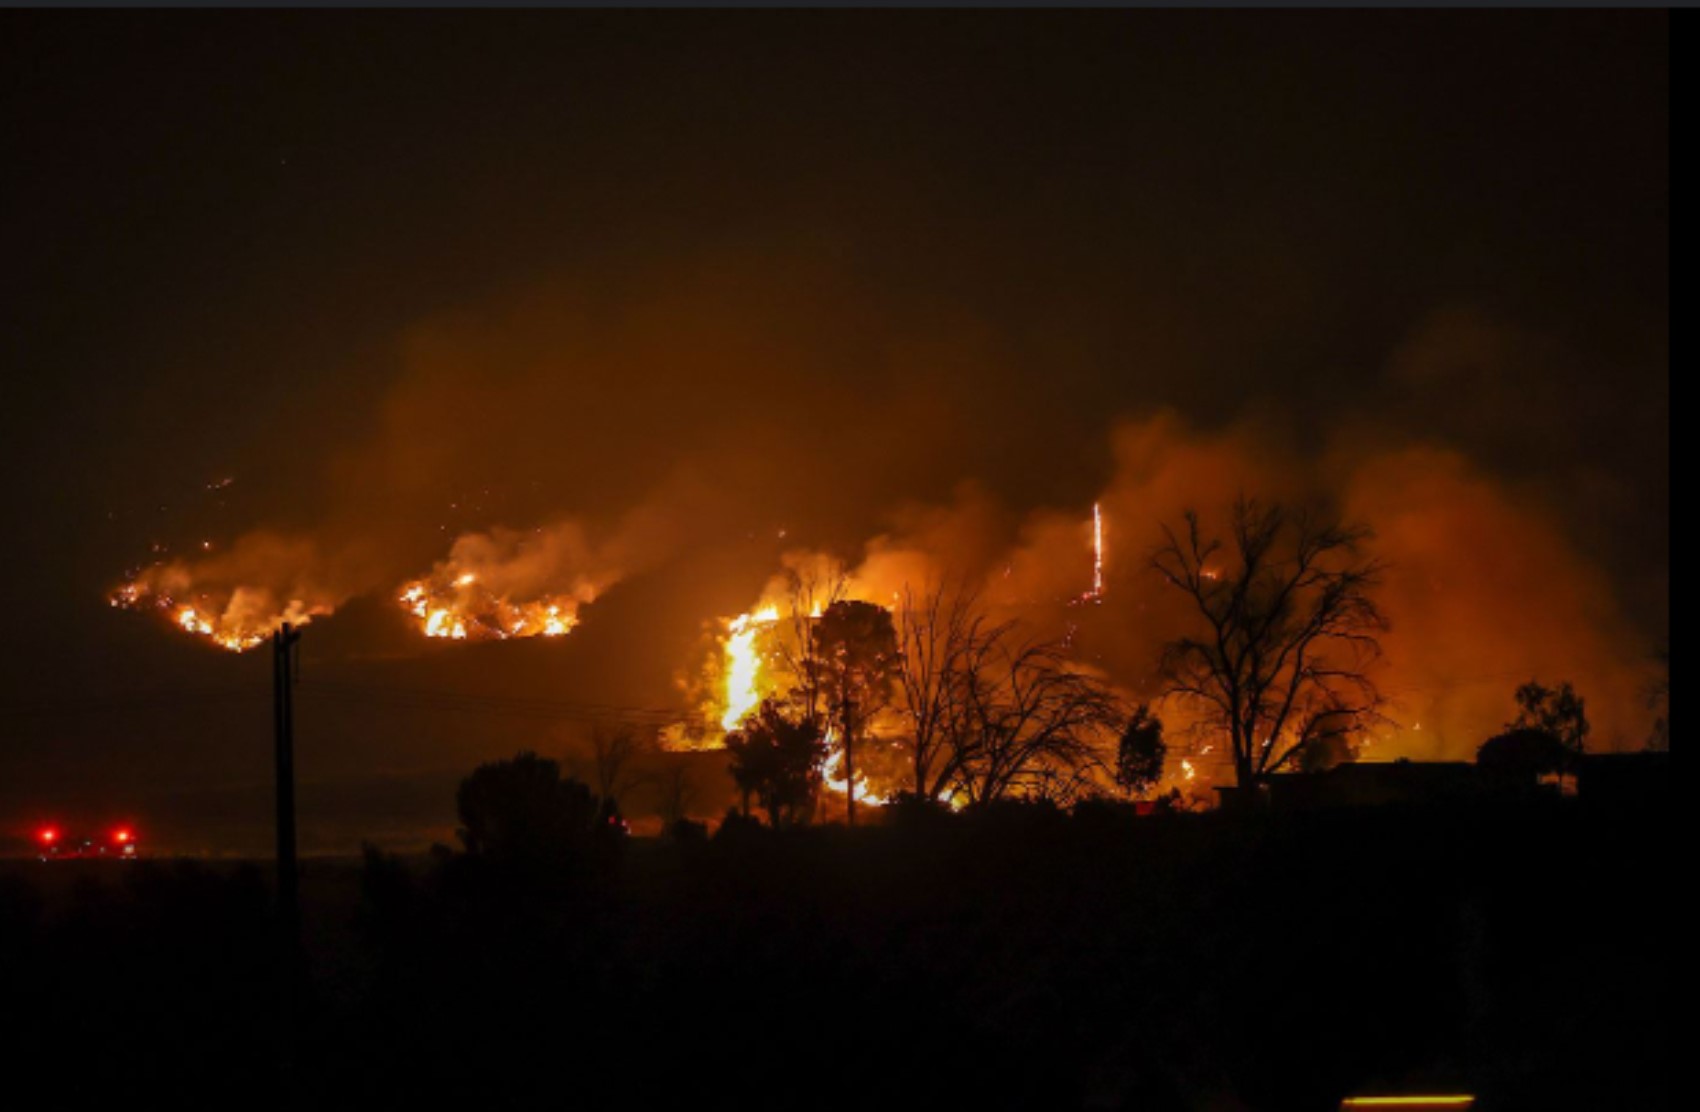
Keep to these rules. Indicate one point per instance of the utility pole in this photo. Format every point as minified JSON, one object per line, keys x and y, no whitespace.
{"x":290,"y":963}
{"x":848,"y":707}
{"x":283,"y":722}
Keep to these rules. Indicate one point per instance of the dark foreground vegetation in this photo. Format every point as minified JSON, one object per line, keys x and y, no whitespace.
{"x":1017,"y":957}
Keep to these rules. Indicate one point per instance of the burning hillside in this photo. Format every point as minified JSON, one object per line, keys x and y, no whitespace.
{"x":505,"y":583}
{"x":1031,"y":573}
{"x":235,"y":599}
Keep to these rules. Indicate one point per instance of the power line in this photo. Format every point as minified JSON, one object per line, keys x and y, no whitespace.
{"x":128,"y":701}
{"x":1473,"y":681}
{"x":528,"y":706}
{"x":346,"y":692}
{"x":500,"y":705}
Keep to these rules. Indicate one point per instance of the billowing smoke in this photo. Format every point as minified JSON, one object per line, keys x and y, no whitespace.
{"x":504,"y":582}
{"x":236,"y":597}
{"x":1486,"y":592}
{"x":1483,"y":590}
{"x":691,"y":424}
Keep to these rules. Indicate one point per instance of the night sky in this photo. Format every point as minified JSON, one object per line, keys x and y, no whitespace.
{"x":703,"y":278}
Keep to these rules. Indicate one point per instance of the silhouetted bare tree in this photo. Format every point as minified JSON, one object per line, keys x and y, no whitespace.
{"x":1289,"y":630}
{"x":1332,"y":748}
{"x":1034,"y":724}
{"x":989,"y":715}
{"x":812,"y":591}
{"x":614,"y":751}
{"x":943,"y":637}
{"x":675,"y":789}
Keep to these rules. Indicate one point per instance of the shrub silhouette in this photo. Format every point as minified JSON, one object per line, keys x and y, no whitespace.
{"x":1523,"y":755}
{"x":522,"y":814}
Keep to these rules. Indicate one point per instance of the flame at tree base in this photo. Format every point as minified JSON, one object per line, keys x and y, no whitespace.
{"x":744,"y":681}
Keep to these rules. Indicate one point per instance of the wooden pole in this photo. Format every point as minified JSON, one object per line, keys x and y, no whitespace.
{"x":283,"y":714}
{"x":850,"y":759}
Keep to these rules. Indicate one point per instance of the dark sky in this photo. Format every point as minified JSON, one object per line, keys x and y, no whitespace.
{"x":406,"y":274}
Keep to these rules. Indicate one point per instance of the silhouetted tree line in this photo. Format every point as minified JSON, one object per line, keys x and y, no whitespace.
{"x":1017,"y":954}
{"x":1023,"y":955}
{"x":1045,"y":947}
{"x":1275,"y":671}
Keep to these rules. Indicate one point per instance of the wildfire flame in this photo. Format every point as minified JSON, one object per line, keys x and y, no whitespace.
{"x":1097,"y":551}
{"x":834,"y":780}
{"x":237,"y":596}
{"x":744,"y":681}
{"x":505,"y":583}
{"x":460,"y":608}
{"x":743,"y":665}
{"x":245,"y":619}
{"x":1096,"y":593}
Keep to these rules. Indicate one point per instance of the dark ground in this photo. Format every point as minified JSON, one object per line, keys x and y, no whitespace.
{"x":1019,"y":959}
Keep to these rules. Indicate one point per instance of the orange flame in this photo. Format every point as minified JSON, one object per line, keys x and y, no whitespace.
{"x":461,"y":608}
{"x":503,"y":584}
{"x":1097,"y":551}
{"x":245,"y":618}
{"x":743,"y":681}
